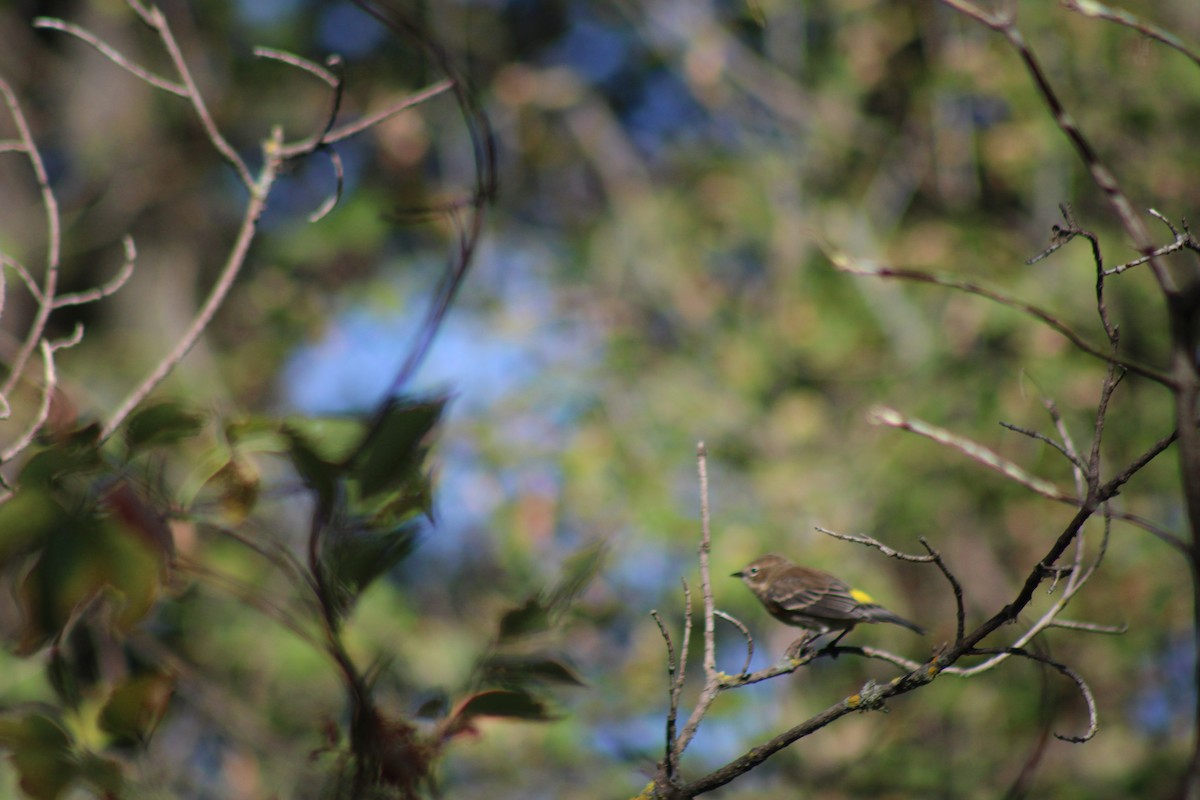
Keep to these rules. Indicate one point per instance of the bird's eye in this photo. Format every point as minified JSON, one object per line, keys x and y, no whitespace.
{"x":754,"y":570}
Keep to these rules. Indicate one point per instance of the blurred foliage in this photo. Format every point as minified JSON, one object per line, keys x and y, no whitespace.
{"x":654,"y":274}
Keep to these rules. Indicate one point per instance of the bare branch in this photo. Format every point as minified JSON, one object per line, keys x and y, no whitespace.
{"x":960,"y":611}
{"x":23,"y":274}
{"x":49,"y":382}
{"x":878,"y":545}
{"x":711,"y":678}
{"x":333,"y":199}
{"x":687,"y":634}
{"x":1121,"y":478}
{"x":155,"y":19}
{"x":675,"y":684}
{"x":111,"y":53}
{"x":881,"y":415}
{"x":1090,"y":8}
{"x":110,"y":287}
{"x":1102,"y":176}
{"x":1155,"y":530}
{"x":737,"y":623}
{"x":358,"y":126}
{"x":300,"y":62}
{"x":1060,"y":235}
{"x":216,"y":296}
{"x":1084,"y":689}
{"x":786,"y":666}
{"x":46,"y":292}
{"x":855,"y":267}
{"x":1041,"y":437}
{"x":1090,"y":627}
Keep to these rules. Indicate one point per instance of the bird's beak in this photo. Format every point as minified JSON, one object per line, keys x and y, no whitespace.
{"x":735,"y":574}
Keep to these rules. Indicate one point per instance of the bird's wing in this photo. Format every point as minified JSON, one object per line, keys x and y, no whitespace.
{"x":812,"y":592}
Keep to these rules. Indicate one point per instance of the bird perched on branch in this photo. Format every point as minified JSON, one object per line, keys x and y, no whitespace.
{"x":811,"y":599}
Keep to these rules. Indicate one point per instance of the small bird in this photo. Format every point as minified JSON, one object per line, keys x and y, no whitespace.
{"x":811,"y":599}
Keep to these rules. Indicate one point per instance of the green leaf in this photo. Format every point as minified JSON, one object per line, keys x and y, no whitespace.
{"x":86,"y":553}
{"x":507,"y":703}
{"x":578,"y":571}
{"x":78,"y":453}
{"x":134,"y":708}
{"x":162,"y":423}
{"x":393,"y":455}
{"x":25,"y":523}
{"x":317,"y":473}
{"x":354,"y":556}
{"x":526,"y":620}
{"x":331,"y":439}
{"x":40,"y":749}
{"x":515,"y":671}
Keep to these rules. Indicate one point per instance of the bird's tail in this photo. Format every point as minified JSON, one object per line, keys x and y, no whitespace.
{"x":880,"y":614}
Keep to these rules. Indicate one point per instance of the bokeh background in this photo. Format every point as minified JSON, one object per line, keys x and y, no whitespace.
{"x":653,"y":274}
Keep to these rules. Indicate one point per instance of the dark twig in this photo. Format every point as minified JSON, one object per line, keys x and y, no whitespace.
{"x":1060,"y":235}
{"x":1084,"y":689}
{"x":878,"y":545}
{"x":737,"y":623}
{"x":1153,"y":529}
{"x":340,"y":133}
{"x":845,"y":264}
{"x":673,"y":677}
{"x":1041,"y":437}
{"x":1091,"y":8}
{"x":960,"y":612}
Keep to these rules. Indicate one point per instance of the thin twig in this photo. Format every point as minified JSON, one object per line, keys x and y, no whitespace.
{"x":1041,"y":437}
{"x":300,"y":62}
{"x":1090,"y":627}
{"x":711,"y":677}
{"x":229,"y":273}
{"x":854,"y":267}
{"x":737,"y":623}
{"x":687,"y":632}
{"x":49,"y":383}
{"x":672,"y":709}
{"x":878,"y":545}
{"x":49,"y":286}
{"x":1084,"y":689}
{"x":109,"y":287}
{"x":155,"y":19}
{"x":1155,"y":530}
{"x":339,"y":184}
{"x":1102,"y":176}
{"x":111,"y":53}
{"x":248,"y":594}
{"x":1121,"y":478}
{"x":23,"y":274}
{"x":1090,"y":8}
{"x":960,"y":611}
{"x":358,"y":126}
{"x":785,"y":666}
{"x":882,"y":415}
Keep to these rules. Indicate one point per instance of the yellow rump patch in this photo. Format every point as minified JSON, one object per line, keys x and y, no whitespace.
{"x":861,"y":596}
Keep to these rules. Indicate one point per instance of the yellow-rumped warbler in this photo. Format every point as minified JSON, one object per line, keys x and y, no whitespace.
{"x":812,"y":599}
